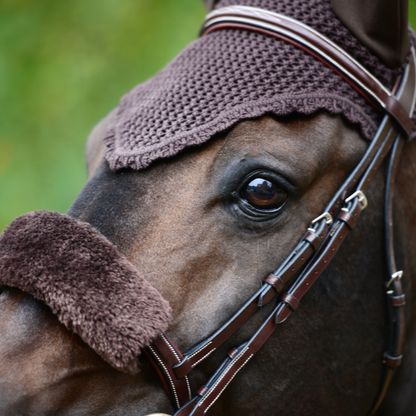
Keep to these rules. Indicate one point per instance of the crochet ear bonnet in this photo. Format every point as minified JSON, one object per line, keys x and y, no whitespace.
{"x":232,"y":75}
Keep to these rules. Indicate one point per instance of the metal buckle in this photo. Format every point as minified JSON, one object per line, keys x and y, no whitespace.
{"x":394,"y":276}
{"x":328,"y":218}
{"x":361,"y":197}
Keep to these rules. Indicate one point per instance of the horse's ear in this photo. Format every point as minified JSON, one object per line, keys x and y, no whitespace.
{"x":95,"y":145}
{"x":381,"y":25}
{"x":209,"y":4}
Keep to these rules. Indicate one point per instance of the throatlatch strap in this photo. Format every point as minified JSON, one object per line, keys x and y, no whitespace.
{"x":395,"y":296}
{"x":324,"y":236}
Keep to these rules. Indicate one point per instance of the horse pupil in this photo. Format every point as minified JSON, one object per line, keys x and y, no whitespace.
{"x":264,"y":194}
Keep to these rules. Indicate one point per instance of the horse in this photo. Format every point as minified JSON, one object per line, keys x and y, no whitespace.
{"x":182,"y":222}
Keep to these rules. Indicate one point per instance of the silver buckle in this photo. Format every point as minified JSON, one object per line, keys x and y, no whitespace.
{"x":328,"y":218}
{"x":361,"y":197}
{"x":398,"y":275}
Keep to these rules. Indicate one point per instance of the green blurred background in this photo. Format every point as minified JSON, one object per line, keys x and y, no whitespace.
{"x":64,"y":66}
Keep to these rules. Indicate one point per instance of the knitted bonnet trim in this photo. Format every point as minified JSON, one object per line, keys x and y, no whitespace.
{"x":286,"y":104}
{"x":231,"y":75}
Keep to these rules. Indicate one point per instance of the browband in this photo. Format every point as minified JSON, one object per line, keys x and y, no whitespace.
{"x":315,"y":44}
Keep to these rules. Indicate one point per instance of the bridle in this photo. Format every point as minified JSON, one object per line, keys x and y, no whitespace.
{"x":325,"y":234}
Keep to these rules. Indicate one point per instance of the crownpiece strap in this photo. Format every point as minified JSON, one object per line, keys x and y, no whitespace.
{"x":315,"y":44}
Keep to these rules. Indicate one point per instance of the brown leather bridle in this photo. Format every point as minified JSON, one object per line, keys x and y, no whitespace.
{"x":325,"y":234}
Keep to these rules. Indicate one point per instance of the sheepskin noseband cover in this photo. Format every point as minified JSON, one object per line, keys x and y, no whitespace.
{"x":92,"y":288}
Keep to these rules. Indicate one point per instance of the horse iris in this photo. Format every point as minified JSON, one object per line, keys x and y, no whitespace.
{"x":263,"y":194}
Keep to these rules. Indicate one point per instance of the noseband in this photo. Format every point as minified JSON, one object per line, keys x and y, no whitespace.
{"x":325,"y":234}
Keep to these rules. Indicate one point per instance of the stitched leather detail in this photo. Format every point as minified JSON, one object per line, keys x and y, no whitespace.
{"x":232,"y":353}
{"x":313,"y":239}
{"x":348,"y":219}
{"x":397,"y":301}
{"x":166,"y":371}
{"x":392,"y":361}
{"x":183,"y":368}
{"x":290,"y":300}
{"x":275,"y":281}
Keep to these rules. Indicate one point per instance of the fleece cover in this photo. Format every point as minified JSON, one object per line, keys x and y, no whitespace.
{"x":89,"y":285}
{"x":231,"y":75}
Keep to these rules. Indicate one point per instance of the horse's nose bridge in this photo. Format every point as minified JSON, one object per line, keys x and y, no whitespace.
{"x":111,"y":203}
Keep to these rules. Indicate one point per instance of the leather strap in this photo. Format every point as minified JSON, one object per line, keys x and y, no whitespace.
{"x":164,"y":355}
{"x":315,"y":44}
{"x":396,"y":298}
{"x":392,"y":362}
{"x":295,"y":262}
{"x":348,"y":219}
{"x":275,"y":281}
{"x":397,"y":301}
{"x":290,"y":301}
{"x":313,"y":239}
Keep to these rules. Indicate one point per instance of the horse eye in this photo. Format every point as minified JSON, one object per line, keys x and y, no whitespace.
{"x":263,"y":194}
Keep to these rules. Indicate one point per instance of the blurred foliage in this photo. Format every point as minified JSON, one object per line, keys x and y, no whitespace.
{"x":64,"y":66}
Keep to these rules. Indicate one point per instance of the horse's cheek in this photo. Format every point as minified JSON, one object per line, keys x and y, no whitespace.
{"x":50,"y":368}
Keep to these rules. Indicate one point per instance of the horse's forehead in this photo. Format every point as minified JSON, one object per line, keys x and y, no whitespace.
{"x":292,"y":131}
{"x":307,"y":142}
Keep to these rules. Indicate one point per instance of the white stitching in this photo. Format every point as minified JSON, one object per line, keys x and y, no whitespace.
{"x":189,"y":387}
{"x":206,"y":345}
{"x":229,"y":381}
{"x":223,"y":375}
{"x":203,"y":358}
{"x":167,"y":373}
{"x":171,"y":348}
{"x":179,"y":360}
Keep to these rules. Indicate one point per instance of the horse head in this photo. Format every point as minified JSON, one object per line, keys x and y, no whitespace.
{"x":204,"y":227}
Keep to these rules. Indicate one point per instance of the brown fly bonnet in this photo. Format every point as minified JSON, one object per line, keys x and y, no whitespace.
{"x":231,"y":75}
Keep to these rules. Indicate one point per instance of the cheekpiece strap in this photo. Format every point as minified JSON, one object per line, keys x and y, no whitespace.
{"x":326,"y":233}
